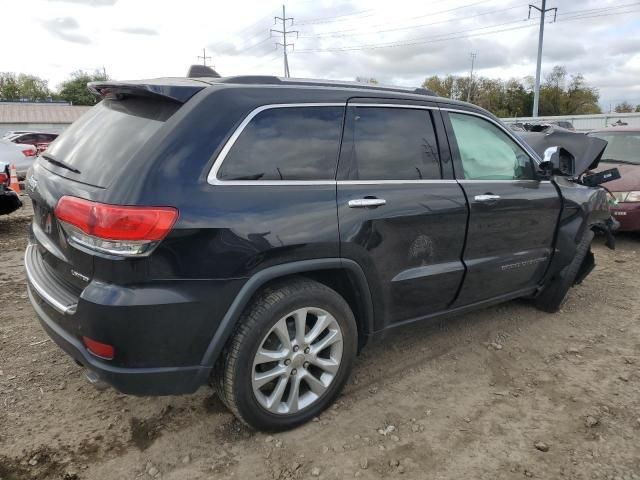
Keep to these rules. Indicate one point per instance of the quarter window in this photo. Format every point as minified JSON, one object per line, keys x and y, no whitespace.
{"x":387,"y":143}
{"x":486,"y":152}
{"x":291,"y":143}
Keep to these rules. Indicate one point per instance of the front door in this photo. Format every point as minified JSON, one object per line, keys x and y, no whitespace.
{"x":512,"y":214}
{"x":398,"y":217}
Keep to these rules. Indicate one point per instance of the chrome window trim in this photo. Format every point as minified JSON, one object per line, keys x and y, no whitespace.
{"x":391,"y":105}
{"x":392,"y":182}
{"x":212,"y":177}
{"x":522,"y":145}
{"x":462,"y":180}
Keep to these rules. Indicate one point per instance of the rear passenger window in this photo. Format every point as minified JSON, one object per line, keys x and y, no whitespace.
{"x":386,"y":143}
{"x":290,"y":143}
{"x":488,"y":153}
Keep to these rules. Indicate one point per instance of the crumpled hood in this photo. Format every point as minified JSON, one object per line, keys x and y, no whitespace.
{"x":586,"y":150}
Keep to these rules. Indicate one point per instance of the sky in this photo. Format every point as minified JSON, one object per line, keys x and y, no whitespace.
{"x":396,"y":42}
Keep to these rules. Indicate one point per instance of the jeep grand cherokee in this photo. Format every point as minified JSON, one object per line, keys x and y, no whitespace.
{"x":255,"y":232}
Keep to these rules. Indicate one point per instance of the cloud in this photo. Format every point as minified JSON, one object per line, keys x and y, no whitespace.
{"x":90,"y":3}
{"x":65,"y":29}
{"x":138,"y":31}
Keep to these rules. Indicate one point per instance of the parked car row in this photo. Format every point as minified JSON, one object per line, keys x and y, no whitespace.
{"x":9,"y":200}
{"x":623,"y":152}
{"x":21,"y":148}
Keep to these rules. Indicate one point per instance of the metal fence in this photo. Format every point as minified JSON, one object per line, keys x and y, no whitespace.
{"x":585,"y":123}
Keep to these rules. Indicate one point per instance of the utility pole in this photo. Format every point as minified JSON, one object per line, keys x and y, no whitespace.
{"x":204,"y":57}
{"x":536,"y":91}
{"x":473,"y":56}
{"x":284,"y":33}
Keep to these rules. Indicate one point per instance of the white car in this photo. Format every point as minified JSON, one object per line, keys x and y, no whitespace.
{"x":19,"y":154}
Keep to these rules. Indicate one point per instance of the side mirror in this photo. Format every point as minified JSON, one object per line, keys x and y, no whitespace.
{"x":557,"y":160}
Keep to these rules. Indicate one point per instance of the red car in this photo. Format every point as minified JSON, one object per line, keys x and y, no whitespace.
{"x":623,"y":153}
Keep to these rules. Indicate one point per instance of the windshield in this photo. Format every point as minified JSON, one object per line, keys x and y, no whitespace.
{"x":621,"y":146}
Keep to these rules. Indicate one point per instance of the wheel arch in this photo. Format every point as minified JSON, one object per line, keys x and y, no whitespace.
{"x":343,"y":275}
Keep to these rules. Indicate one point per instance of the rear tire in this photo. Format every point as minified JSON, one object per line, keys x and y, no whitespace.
{"x":554,"y":293}
{"x":302,"y":336}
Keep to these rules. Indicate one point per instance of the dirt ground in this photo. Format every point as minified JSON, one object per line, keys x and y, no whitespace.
{"x":504,"y":393}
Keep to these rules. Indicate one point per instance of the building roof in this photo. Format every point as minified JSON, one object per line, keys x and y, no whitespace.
{"x":24,"y":112}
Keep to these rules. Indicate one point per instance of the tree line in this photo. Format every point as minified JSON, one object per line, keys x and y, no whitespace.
{"x":560,"y":94}
{"x":31,"y":88}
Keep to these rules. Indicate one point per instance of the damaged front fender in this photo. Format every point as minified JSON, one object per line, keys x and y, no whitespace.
{"x":584,"y":208}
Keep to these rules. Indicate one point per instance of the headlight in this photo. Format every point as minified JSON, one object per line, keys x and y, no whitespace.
{"x":633,"y":196}
{"x":627,"y":196}
{"x":620,"y":196}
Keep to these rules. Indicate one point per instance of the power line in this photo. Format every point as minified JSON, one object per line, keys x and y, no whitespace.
{"x":417,"y":40}
{"x":261,"y":23}
{"x":315,"y":21}
{"x":431,"y":14}
{"x":284,"y":43}
{"x":410,"y":27}
{"x":456,"y":35}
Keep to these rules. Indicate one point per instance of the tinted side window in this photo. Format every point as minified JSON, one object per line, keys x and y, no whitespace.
{"x":292,"y":143}
{"x":383,"y":143}
{"x":486,"y":152}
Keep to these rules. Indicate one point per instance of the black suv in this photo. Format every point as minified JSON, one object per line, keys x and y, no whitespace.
{"x":256,"y":232}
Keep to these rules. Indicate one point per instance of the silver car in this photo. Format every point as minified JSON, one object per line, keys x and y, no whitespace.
{"x":19,"y":154}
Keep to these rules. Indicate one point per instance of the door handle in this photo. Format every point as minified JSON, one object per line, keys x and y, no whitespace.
{"x":487,"y":197}
{"x":367,"y":202}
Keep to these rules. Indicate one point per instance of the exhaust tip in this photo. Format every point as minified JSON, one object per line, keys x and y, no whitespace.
{"x":94,"y":379}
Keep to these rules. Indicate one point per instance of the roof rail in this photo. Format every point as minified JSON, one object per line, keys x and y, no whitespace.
{"x":273,"y":80}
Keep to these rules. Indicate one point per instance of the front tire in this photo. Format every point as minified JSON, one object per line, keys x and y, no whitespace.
{"x":289,"y":357}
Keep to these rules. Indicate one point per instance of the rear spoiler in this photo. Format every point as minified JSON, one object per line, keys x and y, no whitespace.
{"x":177,"y":89}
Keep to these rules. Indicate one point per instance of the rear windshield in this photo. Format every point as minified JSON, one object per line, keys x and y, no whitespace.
{"x":103,"y":140}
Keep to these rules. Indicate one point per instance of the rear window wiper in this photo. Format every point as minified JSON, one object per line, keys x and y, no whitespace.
{"x":59,"y":163}
{"x":257,"y":176}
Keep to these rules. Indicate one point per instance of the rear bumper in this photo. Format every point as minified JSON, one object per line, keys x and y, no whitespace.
{"x":133,"y":381}
{"x":159,"y":331}
{"x":628,"y":214}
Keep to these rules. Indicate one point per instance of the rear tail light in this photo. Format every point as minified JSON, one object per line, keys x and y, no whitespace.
{"x":29,"y":152}
{"x":4,"y":178}
{"x":128,"y":231}
{"x":99,"y":349}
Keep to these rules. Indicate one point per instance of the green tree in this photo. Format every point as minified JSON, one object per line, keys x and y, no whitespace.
{"x":444,"y":87}
{"x":580,"y":98}
{"x":560,"y":94}
{"x":371,"y":80}
{"x":75,"y":90}
{"x":625,"y":107}
{"x":23,"y":87}
{"x":638,"y":108}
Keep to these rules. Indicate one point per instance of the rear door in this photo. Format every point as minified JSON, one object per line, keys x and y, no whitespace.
{"x":513,"y":215}
{"x":401,"y":214}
